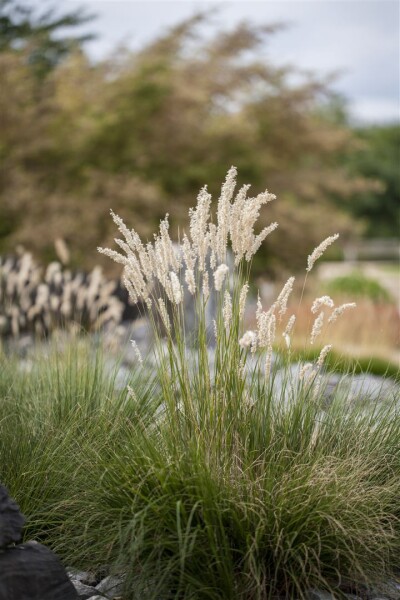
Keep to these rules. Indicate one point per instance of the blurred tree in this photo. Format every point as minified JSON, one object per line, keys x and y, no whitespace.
{"x":142,"y":132}
{"x":378,"y":158}
{"x":42,"y":33}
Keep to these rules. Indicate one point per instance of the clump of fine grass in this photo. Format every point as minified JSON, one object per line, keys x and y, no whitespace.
{"x":275,"y":499}
{"x":287,"y":502}
{"x":48,"y":406}
{"x":220,"y":483}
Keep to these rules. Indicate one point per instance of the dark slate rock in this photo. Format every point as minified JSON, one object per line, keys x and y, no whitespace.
{"x":11,"y":519}
{"x":33,"y":572}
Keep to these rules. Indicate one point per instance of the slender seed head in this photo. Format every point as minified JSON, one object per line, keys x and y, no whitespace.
{"x":319,"y":250}
{"x":323,"y":354}
{"x":317,"y":327}
{"x":283,"y":297}
{"x":242,"y":300}
{"x":206,"y":286}
{"x":248,"y":339}
{"x":164,"y":315}
{"x":190,"y":280}
{"x":219,"y":276}
{"x":177,"y":292}
{"x":340,"y":310}
{"x":322,"y":301}
{"x":227,"y":310}
{"x":137,"y":352}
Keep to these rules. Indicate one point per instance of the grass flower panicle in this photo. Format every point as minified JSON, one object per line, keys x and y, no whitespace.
{"x":242,"y":300}
{"x":248,"y":339}
{"x":219,"y":276}
{"x":283,"y":297}
{"x":322,"y":301}
{"x":227,"y":310}
{"x":206,"y":287}
{"x":288,"y":330}
{"x":190,"y":280}
{"x":268,"y":362}
{"x":137,"y":352}
{"x":258,"y":240}
{"x":271,"y":331}
{"x":305,"y":370}
{"x":224,"y":214}
{"x":176,"y":288}
{"x":323,"y":354}
{"x":199,"y":220}
{"x":164,"y":315}
{"x":340,"y":310}
{"x":319,"y":250}
{"x":189,"y":254}
{"x":317,"y":327}
{"x":236,"y":233}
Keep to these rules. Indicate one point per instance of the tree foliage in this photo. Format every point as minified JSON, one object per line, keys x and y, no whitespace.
{"x":24,"y":28}
{"x":143,"y":131}
{"x":378,"y":158}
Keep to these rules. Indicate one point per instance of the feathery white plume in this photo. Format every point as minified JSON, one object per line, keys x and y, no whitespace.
{"x":242,"y":299}
{"x":323,"y":354}
{"x":319,"y":250}
{"x":283,"y":297}
{"x":248,"y":339}
{"x":340,"y":310}
{"x":177,"y":292}
{"x":227,"y":310}
{"x":137,"y":352}
{"x":317,"y":327}
{"x":322,"y":301}
{"x":219,"y":276}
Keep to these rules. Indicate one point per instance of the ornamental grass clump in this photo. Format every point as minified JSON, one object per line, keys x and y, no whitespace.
{"x":161,"y":273}
{"x":242,"y":488}
{"x":38,"y":301}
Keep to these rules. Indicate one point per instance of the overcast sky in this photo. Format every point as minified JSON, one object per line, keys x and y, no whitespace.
{"x":358,"y":38}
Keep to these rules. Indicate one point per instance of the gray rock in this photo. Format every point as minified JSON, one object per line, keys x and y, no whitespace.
{"x":82,"y":576}
{"x":11,"y":519}
{"x":33,"y":572}
{"x":111,"y":586}
{"x":84,"y":591}
{"x":388,"y":590}
{"x":363,"y":388}
{"x":315,"y":594}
